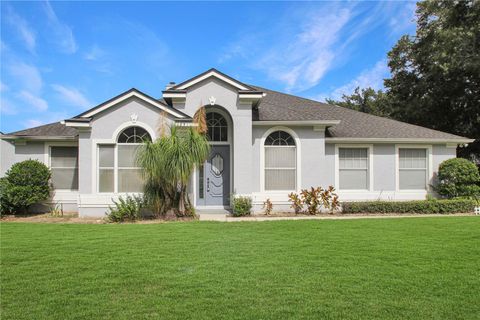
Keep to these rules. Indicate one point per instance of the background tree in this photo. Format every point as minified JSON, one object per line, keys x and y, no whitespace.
{"x":365,"y":100}
{"x":435,"y":74}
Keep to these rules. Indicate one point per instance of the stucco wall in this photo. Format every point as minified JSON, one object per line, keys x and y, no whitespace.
{"x":226,"y":97}
{"x":104,"y":129}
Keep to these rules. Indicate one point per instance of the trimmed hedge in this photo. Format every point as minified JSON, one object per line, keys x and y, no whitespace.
{"x":420,"y":206}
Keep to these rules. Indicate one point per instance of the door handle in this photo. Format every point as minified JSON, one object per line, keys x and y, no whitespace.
{"x":208,"y":184}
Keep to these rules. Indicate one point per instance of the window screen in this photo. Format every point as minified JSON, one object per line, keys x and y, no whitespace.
{"x":353,"y":168}
{"x":280,"y":161}
{"x":412,"y":169}
{"x":106,"y":168}
{"x":64,"y":166}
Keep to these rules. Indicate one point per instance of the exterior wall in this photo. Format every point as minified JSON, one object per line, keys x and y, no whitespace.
{"x":226,"y":97}
{"x":105,"y":128}
{"x":311,"y":166}
{"x":13,"y":152}
{"x":319,"y":168}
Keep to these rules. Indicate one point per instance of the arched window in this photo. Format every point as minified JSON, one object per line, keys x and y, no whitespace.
{"x":117,"y":167}
{"x":280,"y":161}
{"x":217,"y":127}
{"x":134,"y":135}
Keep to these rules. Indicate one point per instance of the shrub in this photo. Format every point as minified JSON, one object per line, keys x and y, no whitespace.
{"x":422,"y":206}
{"x":241,"y":205}
{"x":296,"y":201}
{"x":314,"y":199}
{"x":25,"y":184}
{"x":458,"y":178}
{"x":126,"y":209}
{"x":268,"y":206}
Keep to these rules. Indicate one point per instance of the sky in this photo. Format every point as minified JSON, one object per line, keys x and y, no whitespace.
{"x":59,"y":59}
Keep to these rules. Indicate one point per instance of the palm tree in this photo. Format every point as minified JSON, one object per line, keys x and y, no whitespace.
{"x":168,"y":164}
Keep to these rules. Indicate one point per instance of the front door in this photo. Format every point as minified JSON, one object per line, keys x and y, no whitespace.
{"x":217,"y":176}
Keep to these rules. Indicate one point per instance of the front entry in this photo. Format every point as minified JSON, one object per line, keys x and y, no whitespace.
{"x":216,"y":177}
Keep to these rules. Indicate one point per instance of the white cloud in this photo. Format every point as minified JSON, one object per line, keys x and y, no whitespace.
{"x":72,"y":96}
{"x":27,"y":75}
{"x":95,"y":53}
{"x":62,"y":33}
{"x":367,"y":78}
{"x":7,"y":107}
{"x":32,"y":100}
{"x":404,"y":19}
{"x":306,"y":58}
{"x":30,"y":123}
{"x":3,"y":87}
{"x":22,"y":28}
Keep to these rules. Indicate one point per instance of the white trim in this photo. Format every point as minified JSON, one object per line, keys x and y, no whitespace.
{"x":76,"y":124}
{"x":228,"y":143}
{"x":298,"y":162}
{"x":127,"y":96}
{"x":429,"y":168}
{"x":127,"y":124}
{"x":250,"y":96}
{"x":215,"y":74}
{"x":369,"y":147}
{"x":399,"y":140}
{"x":113,"y":141}
{"x":296,"y":123}
{"x":43,"y":138}
{"x":48,"y":160}
{"x":173,"y":95}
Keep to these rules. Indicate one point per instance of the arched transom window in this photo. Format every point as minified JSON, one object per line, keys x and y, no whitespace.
{"x":117,"y":168}
{"x":280,"y":161}
{"x":134,"y":135}
{"x":217,"y":127}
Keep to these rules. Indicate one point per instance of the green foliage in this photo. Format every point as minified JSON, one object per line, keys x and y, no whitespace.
{"x":268,"y":206}
{"x":436,"y":73}
{"x":241,"y":205}
{"x":421,"y":206}
{"x":126,"y":209}
{"x":365,"y":100}
{"x":458,"y":178}
{"x":167,"y":166}
{"x":25,"y":184}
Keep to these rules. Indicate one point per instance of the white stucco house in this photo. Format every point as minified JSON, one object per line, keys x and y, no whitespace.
{"x":265,"y":144}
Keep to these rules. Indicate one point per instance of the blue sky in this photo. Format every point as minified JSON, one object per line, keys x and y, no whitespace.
{"x":61,"y":58}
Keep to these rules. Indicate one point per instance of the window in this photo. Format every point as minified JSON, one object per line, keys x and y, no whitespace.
{"x":353,"y":168}
{"x":217,"y":127}
{"x":64,"y":167}
{"x":412,"y":169}
{"x":117,"y":169}
{"x":280,"y":161}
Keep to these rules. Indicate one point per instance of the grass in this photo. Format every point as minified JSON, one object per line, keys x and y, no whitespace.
{"x":407,"y":268}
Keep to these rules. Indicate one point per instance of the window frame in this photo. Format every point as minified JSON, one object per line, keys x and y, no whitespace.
{"x":429,"y":166}
{"x":48,"y":159}
{"x":369,"y":148}
{"x":96,"y":143}
{"x":263,"y":168}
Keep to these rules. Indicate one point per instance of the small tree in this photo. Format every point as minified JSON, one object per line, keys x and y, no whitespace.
{"x":458,"y":178}
{"x":25,"y":184}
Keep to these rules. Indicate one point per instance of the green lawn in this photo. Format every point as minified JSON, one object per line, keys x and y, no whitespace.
{"x":408,"y":268}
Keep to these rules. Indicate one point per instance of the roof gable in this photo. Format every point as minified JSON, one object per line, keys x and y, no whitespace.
{"x":126,"y":95}
{"x":211,"y":73}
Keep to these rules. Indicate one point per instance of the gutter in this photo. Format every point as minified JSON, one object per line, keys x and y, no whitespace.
{"x":400,"y":140}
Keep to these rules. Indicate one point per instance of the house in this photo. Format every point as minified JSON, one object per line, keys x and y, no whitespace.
{"x":265,"y":144}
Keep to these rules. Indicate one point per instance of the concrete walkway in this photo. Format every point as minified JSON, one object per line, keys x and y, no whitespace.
{"x":226,"y":217}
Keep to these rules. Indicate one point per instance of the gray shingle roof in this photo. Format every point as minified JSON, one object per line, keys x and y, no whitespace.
{"x":354,"y":124}
{"x":55,"y":129}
